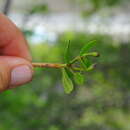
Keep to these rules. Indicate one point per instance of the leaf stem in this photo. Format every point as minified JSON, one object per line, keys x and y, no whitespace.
{"x":49,"y":65}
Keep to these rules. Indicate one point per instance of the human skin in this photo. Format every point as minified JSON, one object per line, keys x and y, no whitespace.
{"x":15,"y":59}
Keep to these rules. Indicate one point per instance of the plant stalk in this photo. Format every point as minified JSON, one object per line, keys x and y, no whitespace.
{"x":48,"y":65}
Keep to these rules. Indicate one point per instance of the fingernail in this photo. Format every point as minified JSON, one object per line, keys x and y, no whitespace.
{"x":21,"y":75}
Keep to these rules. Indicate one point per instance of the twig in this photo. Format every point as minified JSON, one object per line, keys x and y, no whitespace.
{"x":49,"y":65}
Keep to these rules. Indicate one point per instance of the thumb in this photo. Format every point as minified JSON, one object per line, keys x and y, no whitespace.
{"x":14,"y":71}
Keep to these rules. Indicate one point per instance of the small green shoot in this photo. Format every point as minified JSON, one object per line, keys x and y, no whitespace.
{"x":72,"y":73}
{"x":72,"y":70}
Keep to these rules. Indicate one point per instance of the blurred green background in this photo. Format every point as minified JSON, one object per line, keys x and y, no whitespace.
{"x":103,"y":102}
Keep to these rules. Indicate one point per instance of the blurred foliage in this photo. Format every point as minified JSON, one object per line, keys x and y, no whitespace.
{"x":89,"y":7}
{"x":103,"y":103}
{"x":101,"y":3}
{"x":43,"y":8}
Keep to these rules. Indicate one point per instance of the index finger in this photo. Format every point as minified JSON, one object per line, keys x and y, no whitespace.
{"x":12,"y":41}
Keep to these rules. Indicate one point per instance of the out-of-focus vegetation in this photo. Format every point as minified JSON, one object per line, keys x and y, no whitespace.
{"x":102,"y":103}
{"x":90,"y":7}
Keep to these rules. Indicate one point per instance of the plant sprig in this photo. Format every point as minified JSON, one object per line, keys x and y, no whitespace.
{"x":72,"y":70}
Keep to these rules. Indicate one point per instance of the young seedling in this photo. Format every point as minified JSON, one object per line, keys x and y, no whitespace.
{"x":72,"y":70}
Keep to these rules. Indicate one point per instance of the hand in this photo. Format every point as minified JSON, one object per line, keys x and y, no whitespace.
{"x":15,"y":59}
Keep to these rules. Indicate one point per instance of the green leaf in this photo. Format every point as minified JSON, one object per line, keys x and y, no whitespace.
{"x":67,"y":53}
{"x":79,"y":78}
{"x":83,"y":64}
{"x":91,"y":67}
{"x":70,"y":73}
{"x":87,"y":47}
{"x":87,"y":65}
{"x":67,"y":82}
{"x":87,"y":62}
